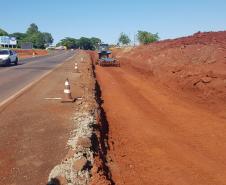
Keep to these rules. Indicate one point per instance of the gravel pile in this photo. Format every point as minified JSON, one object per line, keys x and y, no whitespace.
{"x":75,"y":168}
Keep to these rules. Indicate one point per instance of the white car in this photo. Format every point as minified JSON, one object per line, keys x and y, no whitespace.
{"x":8,"y":56}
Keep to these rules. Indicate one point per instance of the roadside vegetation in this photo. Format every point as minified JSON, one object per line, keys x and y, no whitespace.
{"x":124,"y":39}
{"x":3,"y":32}
{"x":82,"y":43}
{"x":33,"y":35}
{"x":143,"y":37}
{"x":41,"y":40}
{"x":92,"y":43}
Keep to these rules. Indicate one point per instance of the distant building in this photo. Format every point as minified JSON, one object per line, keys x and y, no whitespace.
{"x":51,"y":48}
{"x":6,"y":41}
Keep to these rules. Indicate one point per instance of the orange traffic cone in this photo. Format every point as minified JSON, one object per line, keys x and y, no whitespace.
{"x":67,"y":92}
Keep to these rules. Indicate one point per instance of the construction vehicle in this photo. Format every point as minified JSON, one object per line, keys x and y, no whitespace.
{"x":104,"y":58}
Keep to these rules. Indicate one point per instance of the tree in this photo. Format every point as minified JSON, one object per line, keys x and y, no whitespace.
{"x":48,"y":38}
{"x":37,"y":39}
{"x":124,"y":39}
{"x":33,"y":28}
{"x":95,"y":42}
{"x":145,"y":37}
{"x":83,"y":43}
{"x":69,"y":42}
{"x":19,"y":36}
{"x":3,"y":32}
{"x":86,"y":44}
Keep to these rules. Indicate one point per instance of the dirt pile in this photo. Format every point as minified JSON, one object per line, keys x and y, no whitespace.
{"x":159,"y":131}
{"x":194,"y":64}
{"x":26,"y":53}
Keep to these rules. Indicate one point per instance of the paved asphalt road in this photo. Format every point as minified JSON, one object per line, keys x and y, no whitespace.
{"x":15,"y":78}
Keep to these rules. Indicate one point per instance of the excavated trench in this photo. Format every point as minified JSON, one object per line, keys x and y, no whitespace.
{"x":101,"y":138}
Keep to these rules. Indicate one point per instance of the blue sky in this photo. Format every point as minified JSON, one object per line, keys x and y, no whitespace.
{"x":106,"y":19}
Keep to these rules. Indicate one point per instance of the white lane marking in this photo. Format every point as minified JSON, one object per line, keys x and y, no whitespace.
{"x":52,"y":98}
{"x":21,"y":91}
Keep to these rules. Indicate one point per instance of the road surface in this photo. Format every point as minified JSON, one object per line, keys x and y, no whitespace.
{"x":33,"y":130}
{"x":15,"y":78}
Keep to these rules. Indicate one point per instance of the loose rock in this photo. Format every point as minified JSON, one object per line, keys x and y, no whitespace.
{"x":80,"y":164}
{"x":84,"y":142}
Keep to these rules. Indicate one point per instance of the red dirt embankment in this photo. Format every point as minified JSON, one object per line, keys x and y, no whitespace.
{"x":26,"y":53}
{"x":194,"y":64}
{"x":165,"y":112}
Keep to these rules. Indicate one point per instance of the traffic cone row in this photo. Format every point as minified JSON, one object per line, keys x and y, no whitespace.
{"x":67,"y":89}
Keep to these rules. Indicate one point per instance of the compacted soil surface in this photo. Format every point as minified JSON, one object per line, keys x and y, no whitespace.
{"x":165,"y":110}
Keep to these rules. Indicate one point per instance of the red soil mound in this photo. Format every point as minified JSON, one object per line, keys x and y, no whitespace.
{"x":28,"y":53}
{"x":194,"y":64}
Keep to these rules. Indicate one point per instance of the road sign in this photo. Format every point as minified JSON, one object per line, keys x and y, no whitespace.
{"x":6,"y":40}
{"x":26,"y":45}
{"x":12,"y":41}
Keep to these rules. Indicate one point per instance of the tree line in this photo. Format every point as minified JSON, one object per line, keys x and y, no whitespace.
{"x":44,"y":39}
{"x":37,"y":38}
{"x":143,"y":37}
{"x":82,"y":43}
